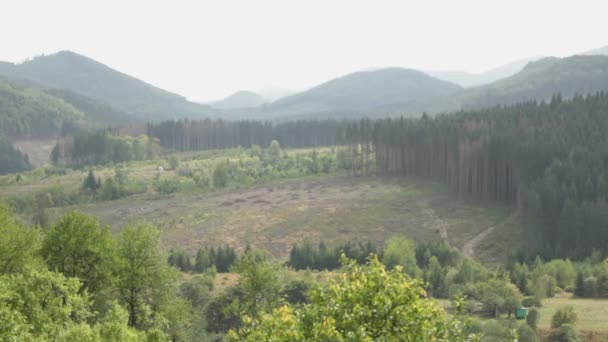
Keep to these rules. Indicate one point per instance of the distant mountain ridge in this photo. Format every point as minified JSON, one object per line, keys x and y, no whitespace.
{"x":96,"y":93}
{"x":82,"y":75}
{"x":362,"y":91}
{"x":240,"y":99}
{"x":600,"y":51}
{"x":467,"y":79}
{"x":539,"y":81}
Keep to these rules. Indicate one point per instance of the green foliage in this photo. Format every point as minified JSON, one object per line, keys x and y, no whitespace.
{"x":307,"y":256}
{"x":526,"y":333}
{"x":114,"y":326}
{"x":197,"y":290}
{"x":274,"y":149}
{"x":564,"y":315}
{"x":545,"y":286}
{"x":166,"y":185}
{"x":565,"y":333}
{"x":533,"y":318}
{"x":78,"y":247}
{"x":11,"y":160}
{"x":220,"y":175}
{"x":367,"y":303}
{"x":173,"y":162}
{"x":180,"y":259}
{"x":100,"y":147}
{"x":29,"y":112}
{"x":401,"y":252}
{"x":259,"y":282}
{"x":222,"y":258}
{"x":498,"y":296}
{"x":202,"y":261}
{"x":37,"y":303}
{"x":296,"y":292}
{"x":90,"y":183}
{"x":191,"y":135}
{"x":547,"y":158}
{"x":18,"y":244}
{"x":144,"y":278}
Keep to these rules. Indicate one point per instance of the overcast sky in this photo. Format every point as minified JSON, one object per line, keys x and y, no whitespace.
{"x":206,"y":50}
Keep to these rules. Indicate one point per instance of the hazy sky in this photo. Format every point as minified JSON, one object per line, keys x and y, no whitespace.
{"x":205,"y":50}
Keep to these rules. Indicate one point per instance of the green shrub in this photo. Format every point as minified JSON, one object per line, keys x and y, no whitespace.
{"x":564,"y":315}
{"x":525,"y":333}
{"x":533,"y":318}
{"x":166,"y":185}
{"x":565,"y":333}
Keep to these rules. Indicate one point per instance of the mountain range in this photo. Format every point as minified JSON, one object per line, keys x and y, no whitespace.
{"x":70,"y":71}
{"x":48,"y":91}
{"x":467,"y":79}
{"x":240,"y":99}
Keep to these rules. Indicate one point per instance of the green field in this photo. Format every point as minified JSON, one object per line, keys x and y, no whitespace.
{"x":592,"y":313}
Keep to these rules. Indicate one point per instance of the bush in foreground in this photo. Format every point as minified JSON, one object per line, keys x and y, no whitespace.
{"x":367,"y":303}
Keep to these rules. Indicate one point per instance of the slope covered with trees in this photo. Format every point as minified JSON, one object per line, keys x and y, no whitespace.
{"x":95,"y":111}
{"x":361,"y":92}
{"x":11,"y":160}
{"x":539,"y":81}
{"x":548,"y":160}
{"x":29,"y":112}
{"x":70,"y":71}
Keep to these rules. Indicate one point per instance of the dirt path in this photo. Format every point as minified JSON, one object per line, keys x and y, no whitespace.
{"x":469,"y":248}
{"x":435,"y":221}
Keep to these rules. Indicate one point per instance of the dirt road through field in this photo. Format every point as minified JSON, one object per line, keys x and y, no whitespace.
{"x":469,"y":247}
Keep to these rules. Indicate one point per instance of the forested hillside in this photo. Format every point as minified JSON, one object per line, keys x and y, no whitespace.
{"x":539,"y":81}
{"x":361,"y":92}
{"x":70,"y":71}
{"x":95,"y":111}
{"x":186,"y":135}
{"x":548,"y":160}
{"x":29,"y":112}
{"x":395,"y":92}
{"x":11,"y":160}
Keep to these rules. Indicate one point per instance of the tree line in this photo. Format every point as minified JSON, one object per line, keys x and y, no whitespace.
{"x":187,"y":135}
{"x":549,"y":160}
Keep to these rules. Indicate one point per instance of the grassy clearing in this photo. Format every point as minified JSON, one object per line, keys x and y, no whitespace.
{"x":592,"y":313}
{"x":274,"y":214}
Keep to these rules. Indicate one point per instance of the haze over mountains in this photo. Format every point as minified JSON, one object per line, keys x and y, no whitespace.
{"x":240,"y":99}
{"x":600,"y":51}
{"x":70,"y":71}
{"x":66,"y":86}
{"x":467,"y":79}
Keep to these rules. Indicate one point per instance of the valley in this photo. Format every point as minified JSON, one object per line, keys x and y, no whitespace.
{"x":373,"y":204}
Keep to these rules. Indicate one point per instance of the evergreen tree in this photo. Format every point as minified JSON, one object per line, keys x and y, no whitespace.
{"x":90,"y":182}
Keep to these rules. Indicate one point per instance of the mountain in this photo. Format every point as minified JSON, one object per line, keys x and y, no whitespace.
{"x":241,"y":99}
{"x":466,"y":79}
{"x":539,"y":80}
{"x":82,"y":75}
{"x":271,"y":93}
{"x":600,"y":51}
{"x":361,"y":92}
{"x":30,"y":112}
{"x":95,"y":111}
